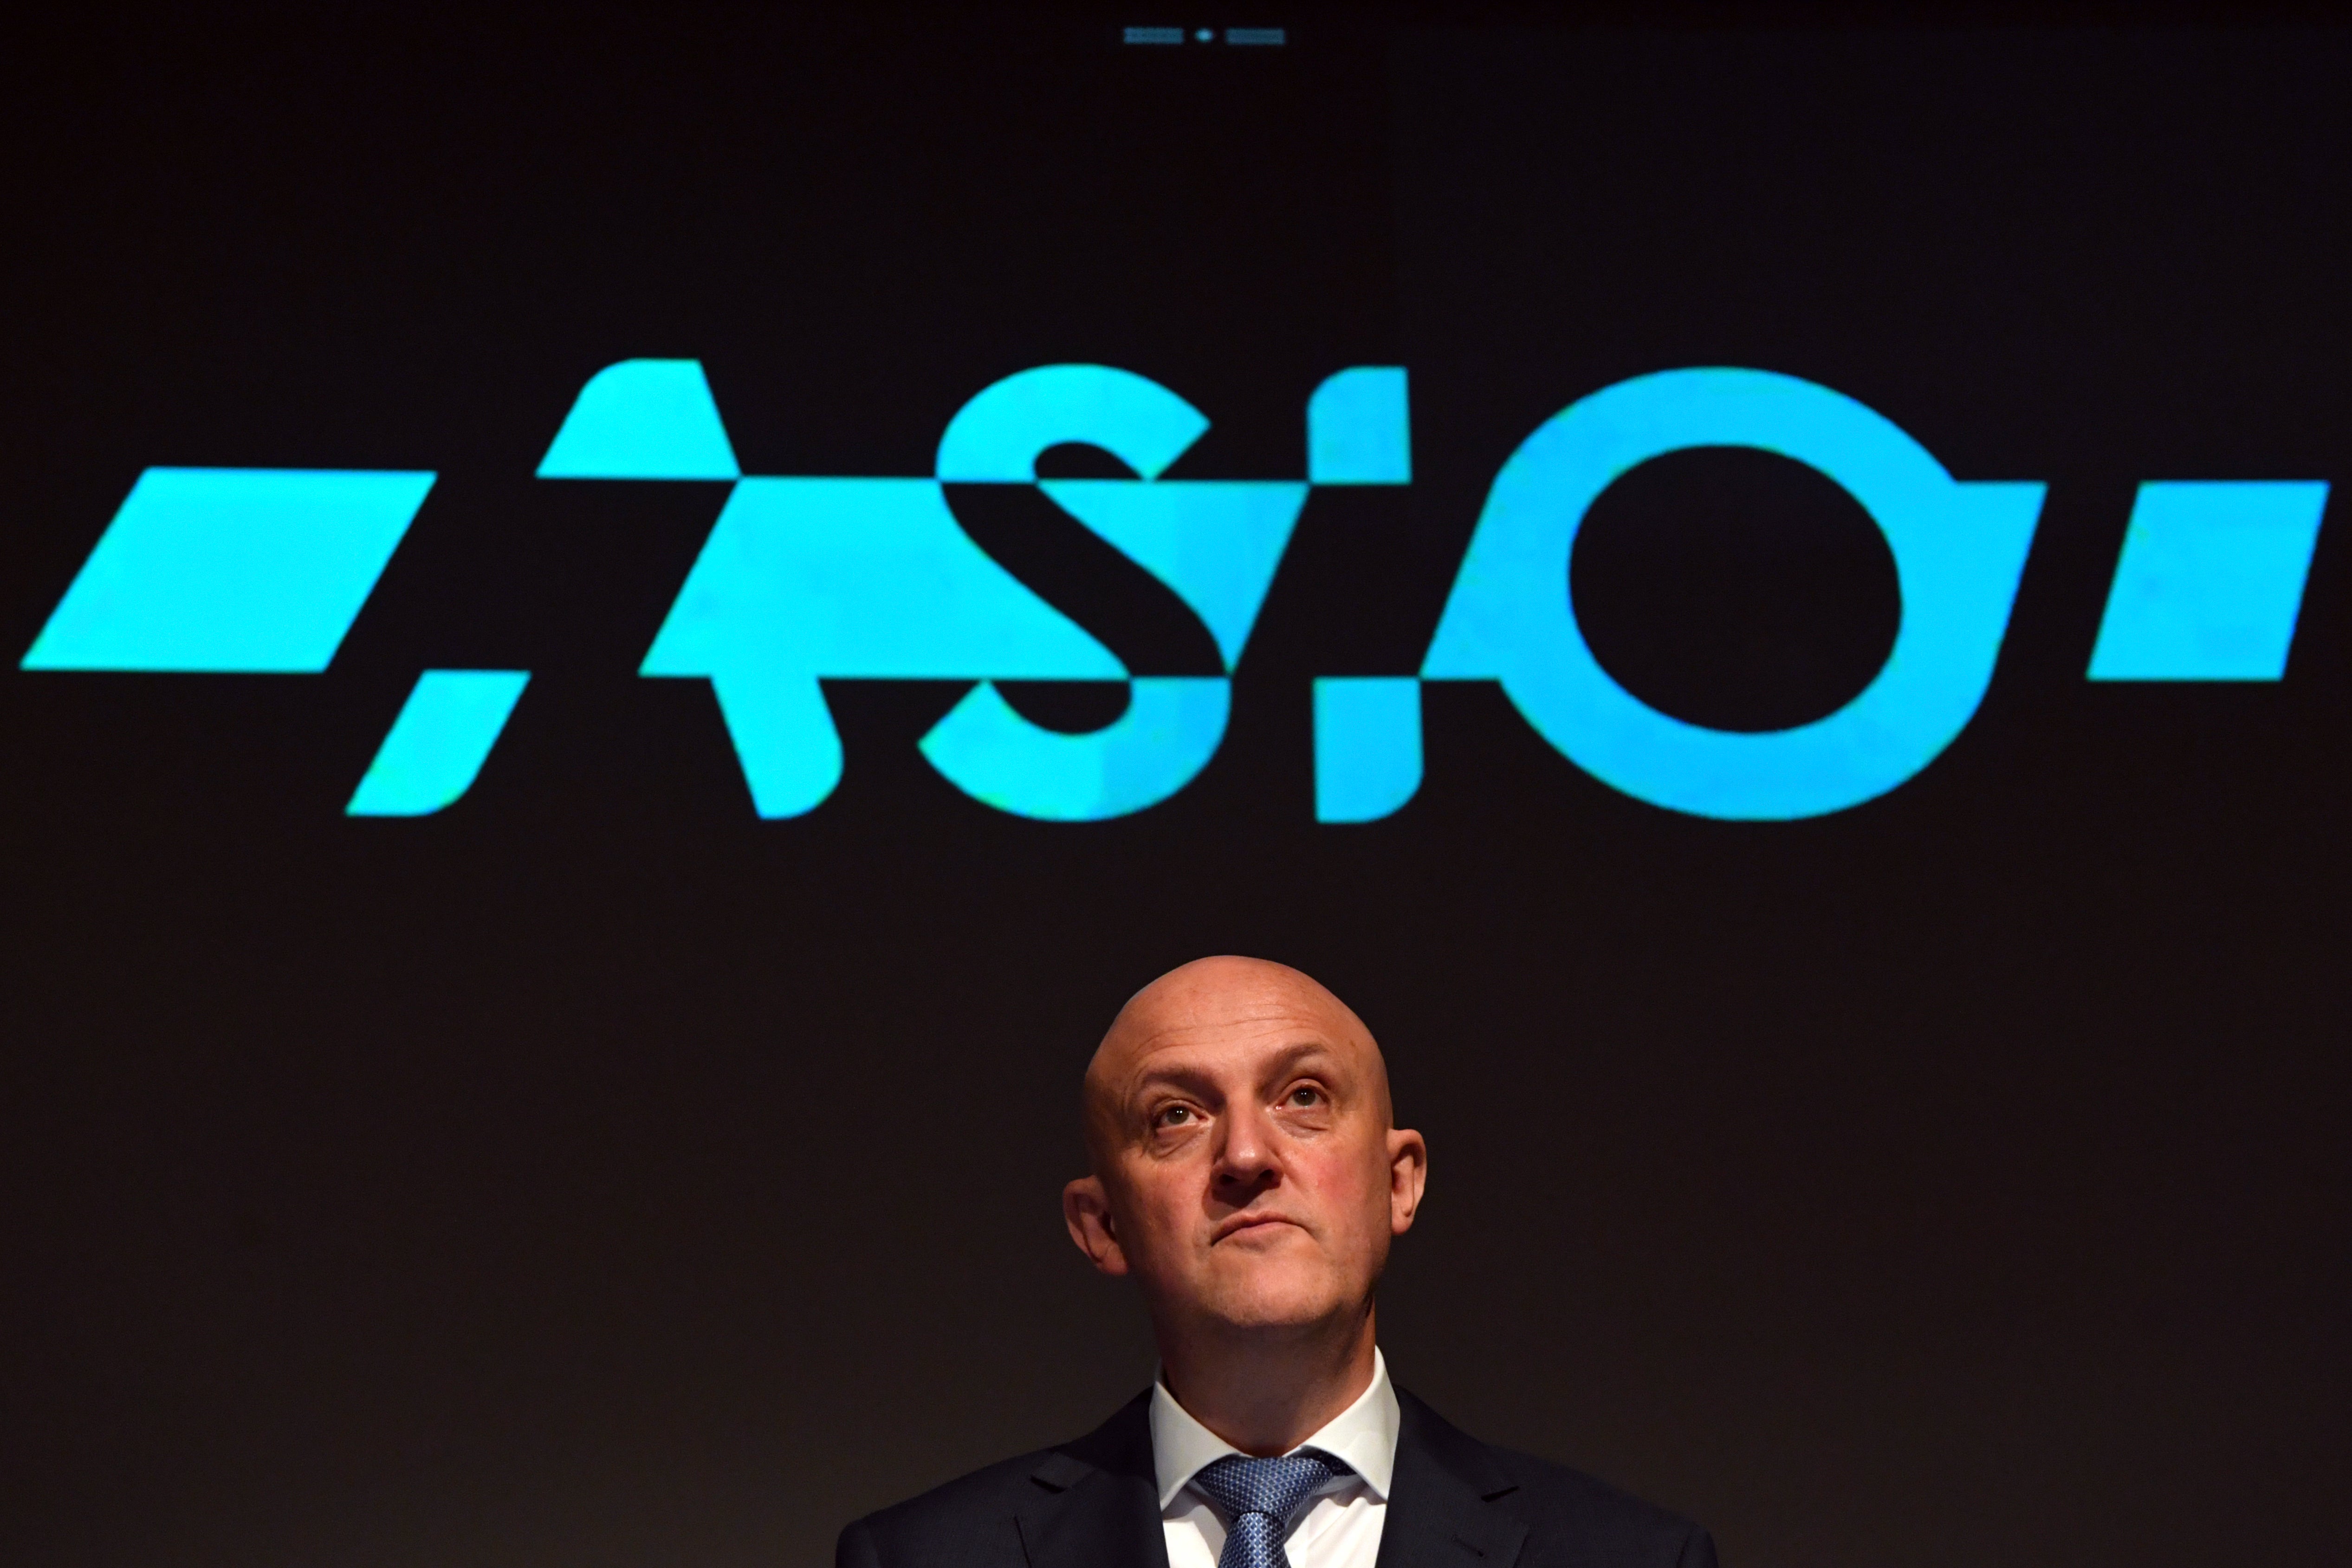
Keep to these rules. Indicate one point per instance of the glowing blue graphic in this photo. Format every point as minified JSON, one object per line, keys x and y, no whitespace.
{"x":2211,"y":581}
{"x":231,"y":571}
{"x":643,"y":419}
{"x":1958,"y":550}
{"x":1215,"y":542}
{"x":996,"y":436}
{"x":1359,"y":429}
{"x":1366,"y":746}
{"x":1169,"y":732}
{"x":783,"y":738}
{"x":873,"y":579}
{"x":440,"y":741}
{"x":804,"y":580}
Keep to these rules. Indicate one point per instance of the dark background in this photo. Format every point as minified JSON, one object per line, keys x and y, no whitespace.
{"x":595,"y":1174}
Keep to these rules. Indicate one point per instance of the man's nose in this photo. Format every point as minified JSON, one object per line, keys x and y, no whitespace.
{"x":1246,"y":1153}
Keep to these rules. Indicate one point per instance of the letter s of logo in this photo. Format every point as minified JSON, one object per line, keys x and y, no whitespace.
{"x":874,"y":578}
{"x":1959,"y":550}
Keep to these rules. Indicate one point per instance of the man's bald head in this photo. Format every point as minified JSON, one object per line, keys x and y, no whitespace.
{"x":1247,"y":1169}
{"x":1223,"y":995}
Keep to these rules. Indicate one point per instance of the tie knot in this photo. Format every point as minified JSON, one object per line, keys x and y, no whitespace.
{"x":1271,"y":1487}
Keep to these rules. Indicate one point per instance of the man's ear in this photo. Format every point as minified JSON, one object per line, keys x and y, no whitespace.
{"x":1408,"y":1174}
{"x":1086,"y":1209}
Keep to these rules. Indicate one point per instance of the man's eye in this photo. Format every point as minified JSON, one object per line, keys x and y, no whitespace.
{"x":1174,"y":1116}
{"x":1306,"y":1096}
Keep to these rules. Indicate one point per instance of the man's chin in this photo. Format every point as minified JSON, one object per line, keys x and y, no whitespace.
{"x":1272,"y":1298}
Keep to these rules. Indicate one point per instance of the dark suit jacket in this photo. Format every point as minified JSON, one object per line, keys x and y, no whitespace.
{"x":1454,"y":1502}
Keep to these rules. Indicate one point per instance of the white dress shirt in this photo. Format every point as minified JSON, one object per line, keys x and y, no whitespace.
{"x":1340,"y":1529}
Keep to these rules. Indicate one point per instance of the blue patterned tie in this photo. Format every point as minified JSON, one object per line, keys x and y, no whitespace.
{"x":1257,"y":1498}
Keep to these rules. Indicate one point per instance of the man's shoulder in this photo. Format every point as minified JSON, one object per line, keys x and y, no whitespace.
{"x":1570,"y":1502}
{"x":1560,"y":1507}
{"x":1094,"y":1500}
{"x":943,"y":1514}
{"x":960,"y":1522}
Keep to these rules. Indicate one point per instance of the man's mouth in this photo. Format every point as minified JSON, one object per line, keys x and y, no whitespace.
{"x":1239,"y":1224}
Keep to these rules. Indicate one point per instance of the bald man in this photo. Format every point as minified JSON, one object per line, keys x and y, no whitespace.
{"x":1248,"y":1174}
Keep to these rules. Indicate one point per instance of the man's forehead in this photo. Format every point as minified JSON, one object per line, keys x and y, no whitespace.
{"x":1224,"y":1018}
{"x":1252,"y":1011}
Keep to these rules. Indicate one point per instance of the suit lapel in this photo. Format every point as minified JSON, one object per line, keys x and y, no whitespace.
{"x":1094,"y":1503}
{"x":1442,"y":1511}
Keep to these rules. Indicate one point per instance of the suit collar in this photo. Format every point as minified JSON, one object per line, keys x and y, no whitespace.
{"x":1093,"y":1503}
{"x":1363,"y":1437}
{"x":1440,"y":1509}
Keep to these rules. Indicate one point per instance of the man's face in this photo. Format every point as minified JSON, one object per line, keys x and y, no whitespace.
{"x":1246,"y":1170}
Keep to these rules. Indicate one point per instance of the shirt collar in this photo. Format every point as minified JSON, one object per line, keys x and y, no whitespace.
{"x":1364,"y":1436}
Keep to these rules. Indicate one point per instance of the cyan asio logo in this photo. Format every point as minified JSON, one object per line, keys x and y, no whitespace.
{"x":809,"y":579}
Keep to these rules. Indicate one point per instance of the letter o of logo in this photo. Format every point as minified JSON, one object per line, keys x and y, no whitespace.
{"x":1959,"y":552}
